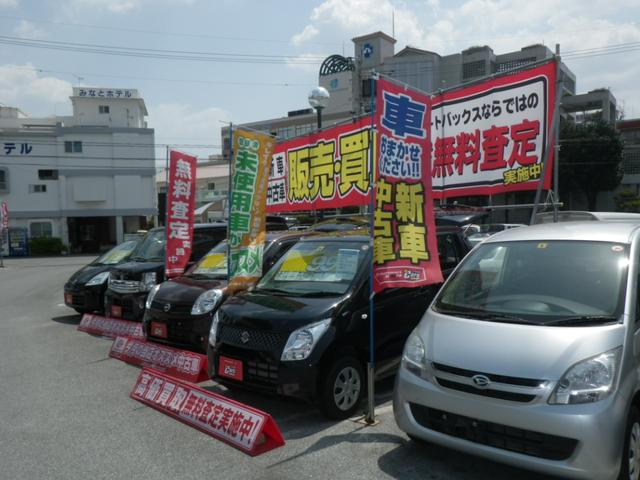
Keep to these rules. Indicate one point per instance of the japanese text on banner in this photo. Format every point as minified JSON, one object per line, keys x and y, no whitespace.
{"x":329,"y":169}
{"x":181,"y":193}
{"x":490,"y":138}
{"x":247,"y":218}
{"x":405,"y":247}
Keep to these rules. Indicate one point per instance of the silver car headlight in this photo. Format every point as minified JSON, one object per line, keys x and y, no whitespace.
{"x":206,"y":302}
{"x":302,"y":341}
{"x":588,"y":381}
{"x":213,"y":332}
{"x":99,"y":279}
{"x":151,"y":295}
{"x":149,"y":279}
{"x":414,"y":357}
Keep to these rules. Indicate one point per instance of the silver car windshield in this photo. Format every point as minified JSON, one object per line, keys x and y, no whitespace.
{"x":542,"y":282}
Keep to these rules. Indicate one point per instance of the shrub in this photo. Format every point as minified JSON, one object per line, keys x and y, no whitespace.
{"x":46,"y":246}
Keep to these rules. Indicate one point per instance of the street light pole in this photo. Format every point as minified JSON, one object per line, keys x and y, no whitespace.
{"x":319,"y":99}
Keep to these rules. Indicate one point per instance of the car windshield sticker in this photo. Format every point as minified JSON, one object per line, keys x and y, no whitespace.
{"x":347,"y":262}
{"x":212,"y":263}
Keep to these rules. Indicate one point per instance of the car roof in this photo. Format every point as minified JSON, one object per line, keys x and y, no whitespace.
{"x":618,"y":232}
{"x":576,"y":215}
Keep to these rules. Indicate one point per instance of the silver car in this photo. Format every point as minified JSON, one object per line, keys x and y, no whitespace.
{"x":530,"y":353}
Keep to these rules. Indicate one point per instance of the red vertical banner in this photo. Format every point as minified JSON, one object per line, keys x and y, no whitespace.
{"x":181,"y":198}
{"x":405,"y":244}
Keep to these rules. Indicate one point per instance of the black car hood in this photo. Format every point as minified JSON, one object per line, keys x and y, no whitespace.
{"x":134,"y":270}
{"x":276,"y":313}
{"x":182,"y":290}
{"x":86,"y":273}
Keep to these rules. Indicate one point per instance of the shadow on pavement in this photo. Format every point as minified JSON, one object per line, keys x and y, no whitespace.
{"x":417,"y":460}
{"x":68,"y":319}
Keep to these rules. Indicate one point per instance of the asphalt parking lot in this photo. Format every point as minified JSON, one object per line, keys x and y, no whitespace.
{"x":65,"y":411}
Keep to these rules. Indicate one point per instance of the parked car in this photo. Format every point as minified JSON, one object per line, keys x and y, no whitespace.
{"x":84,"y":291}
{"x":179,"y":312}
{"x":130,"y":282}
{"x":529,"y":353}
{"x":304,"y":330}
{"x":582,"y":216}
{"x":486,"y":230}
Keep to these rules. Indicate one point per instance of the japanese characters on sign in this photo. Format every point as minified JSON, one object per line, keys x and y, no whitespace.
{"x":105,"y":92}
{"x":4,"y":216}
{"x":17,"y":148}
{"x":181,"y":195}
{"x":110,"y":327}
{"x":241,"y":426}
{"x":490,"y":138}
{"x":247,"y":216}
{"x":181,"y":364}
{"x":405,"y":245}
{"x":328,"y":169}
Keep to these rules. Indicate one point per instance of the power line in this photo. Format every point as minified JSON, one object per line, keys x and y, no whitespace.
{"x":164,"y":33}
{"x":162,"y":54}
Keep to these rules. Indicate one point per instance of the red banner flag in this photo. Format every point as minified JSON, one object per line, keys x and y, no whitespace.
{"x":246,"y":428}
{"x":327,"y":169}
{"x":181,"y":199}
{"x":405,"y":244}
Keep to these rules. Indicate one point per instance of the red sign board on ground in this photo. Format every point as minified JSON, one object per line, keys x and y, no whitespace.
{"x":248,"y":429}
{"x":109,"y":327}
{"x":181,"y":364}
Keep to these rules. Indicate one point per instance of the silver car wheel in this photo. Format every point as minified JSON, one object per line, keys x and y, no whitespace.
{"x":634,"y":452}
{"x":346,"y":389}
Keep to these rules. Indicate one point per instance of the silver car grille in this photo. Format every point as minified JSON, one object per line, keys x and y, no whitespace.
{"x":514,"y":389}
{"x":124,"y":286}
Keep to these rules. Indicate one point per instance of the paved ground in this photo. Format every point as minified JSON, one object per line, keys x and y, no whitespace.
{"x":65,"y":412}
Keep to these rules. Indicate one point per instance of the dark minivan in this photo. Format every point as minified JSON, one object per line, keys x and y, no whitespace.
{"x":84,"y":291}
{"x":130,"y":282}
{"x":303,"y":331}
{"x":179,"y":311}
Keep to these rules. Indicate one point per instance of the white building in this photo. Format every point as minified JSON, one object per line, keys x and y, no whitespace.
{"x":86,"y":178}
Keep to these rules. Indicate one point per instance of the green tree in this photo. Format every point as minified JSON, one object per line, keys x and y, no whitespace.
{"x":590,"y":159}
{"x":627,"y":201}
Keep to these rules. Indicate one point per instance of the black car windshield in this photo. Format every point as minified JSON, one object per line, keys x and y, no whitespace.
{"x":151,"y":248}
{"x":545,"y":282}
{"x":213,"y":264}
{"x":316,"y":268}
{"x":117,"y":254}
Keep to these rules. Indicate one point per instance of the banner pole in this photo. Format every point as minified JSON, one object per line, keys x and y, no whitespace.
{"x":166,"y":209}
{"x":229,"y":188}
{"x":370,"y":417}
{"x":556,"y":157}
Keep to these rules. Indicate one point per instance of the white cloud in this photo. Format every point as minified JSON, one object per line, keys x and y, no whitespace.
{"x":306,"y":62}
{"x":8,"y":3}
{"x":26,"y":29}
{"x":183,"y":124}
{"x":22,"y":86}
{"x":305,"y":35}
{"x":114,"y":6}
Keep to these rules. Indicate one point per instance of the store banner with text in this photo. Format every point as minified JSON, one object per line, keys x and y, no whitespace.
{"x":327,"y":169}
{"x":490,"y":138}
{"x":181,"y":199}
{"x":4,"y":216}
{"x":109,"y":327}
{"x":241,"y":426}
{"x":405,"y":244}
{"x":247,"y":218}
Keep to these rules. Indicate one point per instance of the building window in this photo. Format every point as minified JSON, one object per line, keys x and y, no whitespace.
{"x":48,"y":174}
{"x":4,"y":180}
{"x":37,"y":188}
{"x":473,"y":69}
{"x":103,"y":108}
{"x":211,"y":186}
{"x":73,"y":147}
{"x":40,"y":229}
{"x":631,"y":162}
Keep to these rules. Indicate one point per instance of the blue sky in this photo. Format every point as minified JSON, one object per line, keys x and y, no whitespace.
{"x":187,"y":100}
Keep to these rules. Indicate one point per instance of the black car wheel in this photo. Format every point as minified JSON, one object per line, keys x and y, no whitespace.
{"x":342,"y":388}
{"x":630,"y":463}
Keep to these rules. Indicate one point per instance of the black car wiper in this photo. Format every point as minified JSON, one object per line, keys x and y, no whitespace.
{"x":582,"y":321}
{"x":138,"y":259}
{"x":318,"y":294}
{"x":275,"y":291}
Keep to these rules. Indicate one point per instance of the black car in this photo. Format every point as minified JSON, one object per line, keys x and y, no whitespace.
{"x":304,"y":330}
{"x":179,"y":311}
{"x":84,"y":291}
{"x":130,"y":282}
